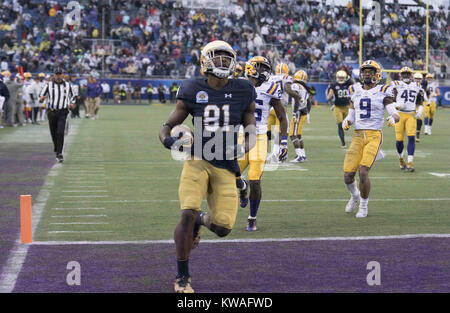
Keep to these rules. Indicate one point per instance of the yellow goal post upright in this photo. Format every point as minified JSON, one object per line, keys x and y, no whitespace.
{"x":389,"y":71}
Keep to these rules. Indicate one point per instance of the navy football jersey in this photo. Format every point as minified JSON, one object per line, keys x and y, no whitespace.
{"x":341,"y":93}
{"x":216,"y":116}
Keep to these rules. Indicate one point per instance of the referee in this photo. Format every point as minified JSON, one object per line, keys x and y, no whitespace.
{"x":60,"y":98}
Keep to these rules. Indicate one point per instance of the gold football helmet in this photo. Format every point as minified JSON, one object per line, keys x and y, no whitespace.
{"x":406,"y":74}
{"x":218,"y":58}
{"x":258,"y":67}
{"x":300,"y":76}
{"x":341,"y":77}
{"x":6,"y":74}
{"x":41,"y":75}
{"x":281,"y":68}
{"x":429,"y":76}
{"x":373,"y":65}
{"x":27,"y":75}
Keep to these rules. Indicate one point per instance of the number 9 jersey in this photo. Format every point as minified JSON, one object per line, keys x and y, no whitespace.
{"x":369,"y":107}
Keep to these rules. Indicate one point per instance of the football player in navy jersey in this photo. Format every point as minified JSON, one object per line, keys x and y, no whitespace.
{"x":218,"y":106}
{"x":341,"y":100}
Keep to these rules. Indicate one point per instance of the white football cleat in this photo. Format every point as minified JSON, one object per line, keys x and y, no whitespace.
{"x":362,"y":212}
{"x":351,"y":204}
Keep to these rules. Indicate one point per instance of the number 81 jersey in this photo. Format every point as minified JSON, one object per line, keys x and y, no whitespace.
{"x":369,"y":107}
{"x":265,"y":93}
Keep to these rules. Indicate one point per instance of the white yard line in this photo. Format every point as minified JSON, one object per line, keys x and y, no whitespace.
{"x":13,"y":266}
{"x":87,"y":196}
{"x":84,"y":191}
{"x":61,"y":209}
{"x":265,"y":200}
{"x":80,"y":223}
{"x":241,"y":240}
{"x":76,"y":216}
{"x":78,"y":231}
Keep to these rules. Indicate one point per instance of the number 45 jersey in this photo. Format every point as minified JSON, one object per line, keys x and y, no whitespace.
{"x":265,"y":93}
{"x":369,"y":107}
{"x":407,"y":95}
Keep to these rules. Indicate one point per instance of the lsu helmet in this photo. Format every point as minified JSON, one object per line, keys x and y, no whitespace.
{"x":300,"y":76}
{"x":27,"y":75}
{"x":281,"y":68}
{"x":209,"y":55}
{"x":374,"y":65}
{"x":41,"y":75}
{"x":341,"y":77}
{"x":238,"y":70}
{"x":418,"y":77}
{"x":258,"y":67}
{"x":406,"y":74}
{"x":429,"y":75}
{"x":6,"y":74}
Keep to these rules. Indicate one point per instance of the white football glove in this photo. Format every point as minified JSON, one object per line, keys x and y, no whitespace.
{"x":390,"y":120}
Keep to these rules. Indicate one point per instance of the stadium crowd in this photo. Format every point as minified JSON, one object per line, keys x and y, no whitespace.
{"x":160,"y":38}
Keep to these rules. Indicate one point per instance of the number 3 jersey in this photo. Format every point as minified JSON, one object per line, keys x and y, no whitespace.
{"x":407,"y":95}
{"x":369,"y":107}
{"x":265,"y":93}
{"x":216,"y":117}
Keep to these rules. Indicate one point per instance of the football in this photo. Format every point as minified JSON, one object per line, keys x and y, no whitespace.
{"x":184,"y":134}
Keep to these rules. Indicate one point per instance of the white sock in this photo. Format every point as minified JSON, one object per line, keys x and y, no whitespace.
{"x":410,"y":158}
{"x":353,"y":189}
{"x":298,"y":151}
{"x":363,"y":203}
{"x":302,"y":151}
{"x":251,"y":217}
{"x":400,"y":155}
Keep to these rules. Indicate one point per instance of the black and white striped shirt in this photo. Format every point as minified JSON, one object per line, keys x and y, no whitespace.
{"x":59,"y":95}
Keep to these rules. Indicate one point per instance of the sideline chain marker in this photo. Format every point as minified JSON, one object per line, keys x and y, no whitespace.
{"x":26,"y":233}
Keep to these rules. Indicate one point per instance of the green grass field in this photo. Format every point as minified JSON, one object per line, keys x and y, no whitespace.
{"x":119,"y":175}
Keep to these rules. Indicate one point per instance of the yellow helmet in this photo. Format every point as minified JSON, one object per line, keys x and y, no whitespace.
{"x":41,"y":75}
{"x":418,"y":77}
{"x":374,"y":65}
{"x":208,"y":55}
{"x":341,"y":77}
{"x":27,"y":75}
{"x":429,"y":75}
{"x":238,"y":70}
{"x":405,"y":74}
{"x":255,"y":68}
{"x":6,"y":74}
{"x":300,"y":76}
{"x":281,"y":68}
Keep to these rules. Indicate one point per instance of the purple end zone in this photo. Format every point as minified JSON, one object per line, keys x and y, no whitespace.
{"x":23,"y":168}
{"x":407,"y":265}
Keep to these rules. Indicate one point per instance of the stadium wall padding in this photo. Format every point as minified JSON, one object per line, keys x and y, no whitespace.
{"x":320,"y":88}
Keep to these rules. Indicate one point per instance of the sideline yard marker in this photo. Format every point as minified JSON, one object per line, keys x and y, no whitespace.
{"x":26,"y":233}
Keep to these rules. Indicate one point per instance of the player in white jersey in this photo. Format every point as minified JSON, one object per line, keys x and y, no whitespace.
{"x":284,"y":80}
{"x":300,"y":110}
{"x":418,"y":78}
{"x":33,"y":91}
{"x":42,"y":110}
{"x":26,"y":98}
{"x":257,"y":71}
{"x":430,"y":108}
{"x":366,"y":111}
{"x":409,"y":96}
